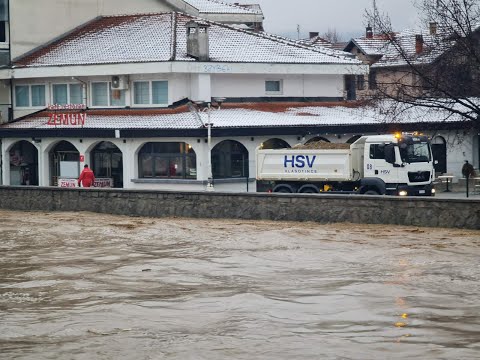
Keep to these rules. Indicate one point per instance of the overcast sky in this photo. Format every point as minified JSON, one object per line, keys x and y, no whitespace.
{"x":346,"y":16}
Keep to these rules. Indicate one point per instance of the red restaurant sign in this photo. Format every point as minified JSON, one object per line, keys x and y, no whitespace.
{"x":66,"y":118}
{"x":78,"y":119}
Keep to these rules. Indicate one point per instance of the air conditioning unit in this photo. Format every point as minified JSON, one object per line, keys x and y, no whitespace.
{"x":119,"y":82}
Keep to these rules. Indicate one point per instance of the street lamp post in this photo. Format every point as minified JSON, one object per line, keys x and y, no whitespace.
{"x":207,"y":107}
{"x":209,"y":141}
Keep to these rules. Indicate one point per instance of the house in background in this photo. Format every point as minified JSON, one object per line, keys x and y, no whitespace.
{"x":431,"y":52}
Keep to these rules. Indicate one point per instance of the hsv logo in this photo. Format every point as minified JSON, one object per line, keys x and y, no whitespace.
{"x":299,"y":161}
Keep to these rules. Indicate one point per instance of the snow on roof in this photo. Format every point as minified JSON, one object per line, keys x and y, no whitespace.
{"x":324,"y":45}
{"x":395,"y":48}
{"x":220,"y":7}
{"x":371,"y":46}
{"x":315,"y":41}
{"x":242,"y":116}
{"x":404,"y":47}
{"x":162,"y":37}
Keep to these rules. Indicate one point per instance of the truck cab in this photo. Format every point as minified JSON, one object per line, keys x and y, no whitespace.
{"x":395,"y":164}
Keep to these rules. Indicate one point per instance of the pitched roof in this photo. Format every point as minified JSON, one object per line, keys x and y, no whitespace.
{"x":220,"y":7}
{"x":162,"y":37}
{"x":403,"y":48}
{"x":315,"y":41}
{"x":322,"y":44}
{"x":395,"y":48}
{"x":244,"y":115}
{"x":374,"y":46}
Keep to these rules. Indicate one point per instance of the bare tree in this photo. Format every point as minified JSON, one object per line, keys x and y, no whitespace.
{"x":332,"y":36}
{"x":435,"y":69}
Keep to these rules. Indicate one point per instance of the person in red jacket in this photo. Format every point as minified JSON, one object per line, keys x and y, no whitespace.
{"x":87,"y":177}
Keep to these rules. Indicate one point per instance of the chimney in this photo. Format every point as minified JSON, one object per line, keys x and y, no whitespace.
{"x":369,"y":32}
{"x":197,"y":40}
{"x":433,"y":28}
{"x":418,"y":44}
{"x":313,"y":34}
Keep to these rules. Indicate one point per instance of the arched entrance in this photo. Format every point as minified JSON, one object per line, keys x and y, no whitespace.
{"x":439,"y":152}
{"x":275,"y":144}
{"x":64,"y":162}
{"x":167,"y":160}
{"x":107,"y":163}
{"x":23,"y":164}
{"x":229,"y":160}
{"x":317,"y":138}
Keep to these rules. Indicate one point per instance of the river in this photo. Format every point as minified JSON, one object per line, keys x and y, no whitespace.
{"x":96,"y":286}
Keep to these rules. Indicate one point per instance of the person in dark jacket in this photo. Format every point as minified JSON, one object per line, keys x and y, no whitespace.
{"x":467,"y":170}
{"x":87,"y":177}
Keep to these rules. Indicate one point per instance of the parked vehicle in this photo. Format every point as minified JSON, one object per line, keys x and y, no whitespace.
{"x":372,"y":165}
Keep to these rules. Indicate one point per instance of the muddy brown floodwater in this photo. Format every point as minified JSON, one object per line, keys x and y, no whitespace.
{"x":95,"y":286}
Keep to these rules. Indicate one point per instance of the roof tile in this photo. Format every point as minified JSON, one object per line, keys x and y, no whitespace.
{"x":149,"y":37}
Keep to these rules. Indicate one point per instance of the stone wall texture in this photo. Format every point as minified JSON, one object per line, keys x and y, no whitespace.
{"x":428,"y":212}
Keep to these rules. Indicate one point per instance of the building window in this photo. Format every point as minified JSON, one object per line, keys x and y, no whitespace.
{"x":63,"y":94}
{"x":150,"y":92}
{"x":3,"y":32}
{"x":103,"y":95}
{"x":4,"y":35}
{"x":30,"y":95}
{"x":38,"y":95}
{"x":360,"y":82}
{"x":167,"y":160}
{"x":273,"y":87}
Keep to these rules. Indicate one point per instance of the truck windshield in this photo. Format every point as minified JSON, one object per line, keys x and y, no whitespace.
{"x":416,"y":152}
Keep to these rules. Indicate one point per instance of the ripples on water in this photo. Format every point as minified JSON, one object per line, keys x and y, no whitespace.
{"x":90,"y":286}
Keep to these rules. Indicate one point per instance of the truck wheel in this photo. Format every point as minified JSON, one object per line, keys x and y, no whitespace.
{"x":283,"y":190}
{"x":371,"y":192}
{"x":308,"y":189}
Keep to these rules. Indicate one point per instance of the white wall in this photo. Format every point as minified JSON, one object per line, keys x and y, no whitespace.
{"x":197,"y":86}
{"x":228,"y":85}
{"x":460,"y":147}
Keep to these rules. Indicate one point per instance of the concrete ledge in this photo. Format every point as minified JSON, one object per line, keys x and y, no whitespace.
{"x":324,"y":208}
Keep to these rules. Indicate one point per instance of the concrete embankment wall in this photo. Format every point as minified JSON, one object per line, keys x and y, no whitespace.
{"x":430,"y":212}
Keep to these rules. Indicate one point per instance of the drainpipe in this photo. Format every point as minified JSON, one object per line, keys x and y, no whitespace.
{"x":10,"y":112}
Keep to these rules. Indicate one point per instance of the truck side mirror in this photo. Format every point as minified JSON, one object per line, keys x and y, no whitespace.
{"x":390,"y":154}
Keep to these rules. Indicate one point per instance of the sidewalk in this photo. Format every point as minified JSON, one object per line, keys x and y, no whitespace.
{"x":457,"y":191}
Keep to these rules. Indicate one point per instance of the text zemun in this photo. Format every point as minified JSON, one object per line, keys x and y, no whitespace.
{"x":59,"y":118}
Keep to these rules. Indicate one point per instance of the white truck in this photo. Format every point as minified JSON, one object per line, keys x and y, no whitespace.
{"x":372,"y":165}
